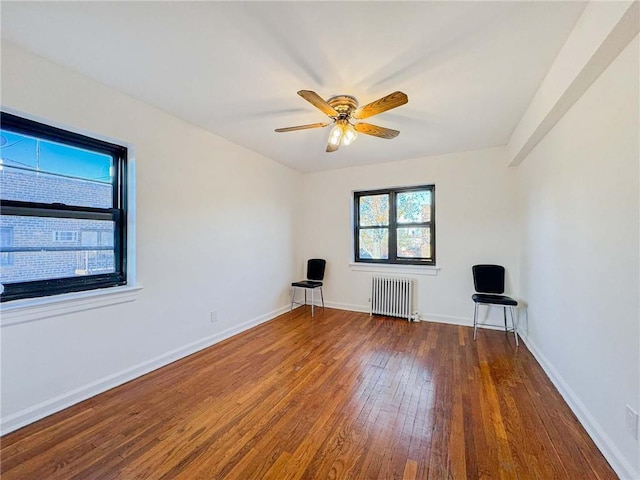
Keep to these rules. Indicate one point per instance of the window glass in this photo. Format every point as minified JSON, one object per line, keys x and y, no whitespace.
{"x":36,"y":170}
{"x":414,"y":207}
{"x":414,"y":242}
{"x":46,"y":248}
{"x":374,"y":243}
{"x":374,"y":210}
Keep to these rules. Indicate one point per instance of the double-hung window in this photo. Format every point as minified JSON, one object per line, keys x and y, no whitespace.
{"x":63,"y":210}
{"x":395,"y":225}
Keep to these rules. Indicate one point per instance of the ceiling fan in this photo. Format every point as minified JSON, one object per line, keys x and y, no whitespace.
{"x":343,"y":109}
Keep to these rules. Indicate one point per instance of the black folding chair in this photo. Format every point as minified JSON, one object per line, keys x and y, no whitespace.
{"x":488,"y":281}
{"x":315,"y":275}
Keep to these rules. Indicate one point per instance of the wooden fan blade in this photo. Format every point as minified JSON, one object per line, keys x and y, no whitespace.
{"x":383,"y":104}
{"x":376,"y":131}
{"x":317,"y":101}
{"x":303,"y":127}
{"x":332,"y":148}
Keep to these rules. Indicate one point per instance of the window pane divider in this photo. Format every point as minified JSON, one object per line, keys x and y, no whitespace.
{"x":54,"y":210}
{"x":74,"y":248}
{"x":409,"y":225}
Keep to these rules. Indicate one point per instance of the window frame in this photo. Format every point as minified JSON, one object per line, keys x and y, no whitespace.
{"x":117,"y":213}
{"x":393,"y":226}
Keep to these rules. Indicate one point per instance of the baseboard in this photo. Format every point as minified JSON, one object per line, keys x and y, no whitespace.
{"x":429,"y":317}
{"x":615,"y":458}
{"x":36,"y":412}
{"x":348,"y":306}
{"x":422,"y":317}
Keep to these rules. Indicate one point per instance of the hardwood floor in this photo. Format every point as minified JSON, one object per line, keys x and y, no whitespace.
{"x":342,"y":395}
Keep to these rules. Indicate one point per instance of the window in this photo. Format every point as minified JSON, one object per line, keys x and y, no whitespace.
{"x":65,"y":236}
{"x":6,"y":240}
{"x":395,"y":225}
{"x":63,"y":221}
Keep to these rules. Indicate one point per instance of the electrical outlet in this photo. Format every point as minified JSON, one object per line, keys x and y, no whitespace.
{"x":214,"y":316}
{"x":631,"y":422}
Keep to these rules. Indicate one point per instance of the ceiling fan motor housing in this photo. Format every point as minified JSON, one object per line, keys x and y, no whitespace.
{"x":345,"y":105}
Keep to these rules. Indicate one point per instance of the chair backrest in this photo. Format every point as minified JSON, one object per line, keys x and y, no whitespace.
{"x":488,"y":278}
{"x":315,"y":269}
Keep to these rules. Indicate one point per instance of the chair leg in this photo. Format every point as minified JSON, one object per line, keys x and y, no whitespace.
{"x":312,"y":300}
{"x":475,"y":320}
{"x":504,"y":311}
{"x":514,"y":322}
{"x":322,"y":298}
{"x":293,"y":294}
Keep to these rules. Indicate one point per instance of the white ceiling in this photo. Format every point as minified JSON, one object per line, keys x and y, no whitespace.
{"x":470,"y":69}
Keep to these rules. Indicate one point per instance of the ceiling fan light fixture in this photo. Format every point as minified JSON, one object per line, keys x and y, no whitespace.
{"x":335,"y":135}
{"x":342,"y":133}
{"x":348,"y":134}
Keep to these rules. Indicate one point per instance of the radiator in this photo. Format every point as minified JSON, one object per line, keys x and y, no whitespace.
{"x":392,"y":296}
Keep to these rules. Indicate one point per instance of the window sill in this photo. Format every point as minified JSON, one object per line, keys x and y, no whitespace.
{"x":431,"y":270}
{"x":33,"y":309}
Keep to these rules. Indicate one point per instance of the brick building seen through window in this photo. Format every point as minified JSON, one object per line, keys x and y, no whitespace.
{"x":53,"y":234}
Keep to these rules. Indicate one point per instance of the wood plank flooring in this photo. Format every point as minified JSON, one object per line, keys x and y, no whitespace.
{"x":341,"y":395}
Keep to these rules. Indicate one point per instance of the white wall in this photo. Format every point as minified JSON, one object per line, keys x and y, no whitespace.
{"x":579,"y":268}
{"x":476,"y":222}
{"x":215,"y":230}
